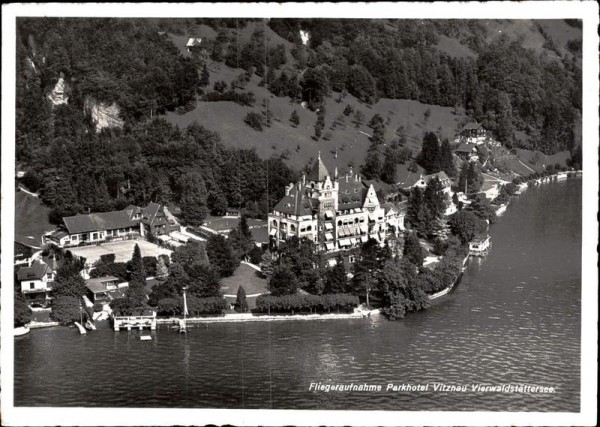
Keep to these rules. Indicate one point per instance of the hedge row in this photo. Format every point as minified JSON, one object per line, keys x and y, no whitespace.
{"x":196,"y":306}
{"x":316,"y":303}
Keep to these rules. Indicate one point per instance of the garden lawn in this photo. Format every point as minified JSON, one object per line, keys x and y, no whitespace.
{"x":245,"y":276}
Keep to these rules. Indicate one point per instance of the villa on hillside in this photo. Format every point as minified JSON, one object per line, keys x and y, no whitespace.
{"x":36,"y":279}
{"x":335,"y":212}
{"x":424,"y":180}
{"x":446,"y":182}
{"x":195,"y":43}
{"x":116,"y":225}
{"x":467,"y":152}
{"x":473,"y":133}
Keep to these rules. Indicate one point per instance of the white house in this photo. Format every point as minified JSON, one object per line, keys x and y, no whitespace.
{"x":193,"y":42}
{"x":36,"y":280}
{"x":444,"y":180}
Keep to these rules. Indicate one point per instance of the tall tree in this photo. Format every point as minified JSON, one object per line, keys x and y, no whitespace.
{"x":193,"y":199}
{"x":320,"y":124}
{"x":336,"y":280}
{"x":412,"y":249}
{"x":283,"y":281}
{"x":429,"y":157}
{"x":162,"y":270}
{"x":204,"y":77}
{"x":68,"y":281}
{"x":434,"y":199}
{"x":294,"y":118}
{"x":240,"y":301}
{"x":388,"y":172}
{"x":221,"y":255}
{"x":241,"y":238}
{"x":137,"y":272}
{"x":446,"y":161}
{"x":415,"y":211}
{"x":372,"y":167}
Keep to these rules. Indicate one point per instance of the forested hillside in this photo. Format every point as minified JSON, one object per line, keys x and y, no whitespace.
{"x":349,"y":72}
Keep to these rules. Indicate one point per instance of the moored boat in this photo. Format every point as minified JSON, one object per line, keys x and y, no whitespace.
{"x":82,"y":330}
{"x":23,"y":330}
{"x":501,"y":210}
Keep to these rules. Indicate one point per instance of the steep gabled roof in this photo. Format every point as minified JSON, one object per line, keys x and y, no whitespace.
{"x":440,"y":175}
{"x":150,"y":212}
{"x":389,"y":207}
{"x":465,"y":148}
{"x":296,"y":203}
{"x":35,"y":272}
{"x":99,"y":221}
{"x":472,"y":126}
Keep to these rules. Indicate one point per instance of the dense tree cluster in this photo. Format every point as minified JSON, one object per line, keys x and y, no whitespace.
{"x":426,"y":207}
{"x":155,"y":162}
{"x":21,"y":310}
{"x":66,"y":309}
{"x":435,"y":157}
{"x":506,"y":87}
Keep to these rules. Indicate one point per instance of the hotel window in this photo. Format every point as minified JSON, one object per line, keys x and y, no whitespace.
{"x":293,"y":227}
{"x":95,"y":236}
{"x":74,"y":237}
{"x":309,"y":228}
{"x":351,"y":259}
{"x":339,"y":223}
{"x":32,"y":285}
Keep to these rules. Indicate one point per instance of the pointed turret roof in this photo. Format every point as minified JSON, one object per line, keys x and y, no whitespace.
{"x":318,"y":172}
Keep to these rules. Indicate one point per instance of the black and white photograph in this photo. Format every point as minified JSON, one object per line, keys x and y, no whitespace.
{"x":339,"y":214}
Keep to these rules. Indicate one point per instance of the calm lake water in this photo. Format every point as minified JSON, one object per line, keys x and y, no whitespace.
{"x":515,"y":318}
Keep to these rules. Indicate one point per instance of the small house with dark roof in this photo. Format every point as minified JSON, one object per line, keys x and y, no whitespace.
{"x":467,"y":152}
{"x":441,"y":176}
{"x":36,"y":281}
{"x":338,"y":213}
{"x":473,"y":133}
{"x":105,"y":289}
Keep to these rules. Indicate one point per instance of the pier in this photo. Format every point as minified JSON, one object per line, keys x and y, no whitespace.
{"x":134,"y":322}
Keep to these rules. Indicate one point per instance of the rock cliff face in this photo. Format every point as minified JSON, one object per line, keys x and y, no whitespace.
{"x":58,"y":96}
{"x":103,"y":115}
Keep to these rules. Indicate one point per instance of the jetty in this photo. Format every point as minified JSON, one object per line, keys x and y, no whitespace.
{"x":134,"y":322}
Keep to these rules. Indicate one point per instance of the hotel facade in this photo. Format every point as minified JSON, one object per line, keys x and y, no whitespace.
{"x":336,"y":213}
